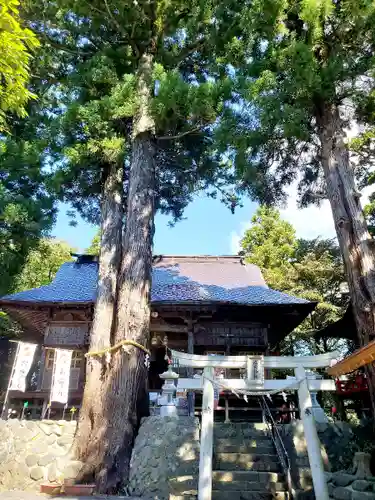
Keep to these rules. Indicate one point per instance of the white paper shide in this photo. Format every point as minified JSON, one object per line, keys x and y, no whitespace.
{"x":61,"y":376}
{"x":22,"y":365}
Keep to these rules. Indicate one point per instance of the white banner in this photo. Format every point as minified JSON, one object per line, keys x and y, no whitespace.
{"x":22,"y":365}
{"x":61,"y":375}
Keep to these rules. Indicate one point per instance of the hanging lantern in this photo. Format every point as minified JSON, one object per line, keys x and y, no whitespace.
{"x":154,"y":340}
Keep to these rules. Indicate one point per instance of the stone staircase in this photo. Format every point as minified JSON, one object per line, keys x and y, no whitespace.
{"x":245,"y":466}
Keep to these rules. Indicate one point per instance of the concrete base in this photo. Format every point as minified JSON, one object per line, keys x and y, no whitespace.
{"x":168,"y":411}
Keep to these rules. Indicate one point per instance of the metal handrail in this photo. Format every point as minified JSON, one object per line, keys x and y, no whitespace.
{"x":278,"y":442}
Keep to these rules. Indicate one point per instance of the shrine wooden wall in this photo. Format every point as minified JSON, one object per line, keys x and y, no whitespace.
{"x":69,"y":329}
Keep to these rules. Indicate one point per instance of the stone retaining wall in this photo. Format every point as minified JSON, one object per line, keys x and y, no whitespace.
{"x":165,"y":457}
{"x":343,"y":486}
{"x":336,"y":443}
{"x":33,"y":451}
{"x":355,"y":484}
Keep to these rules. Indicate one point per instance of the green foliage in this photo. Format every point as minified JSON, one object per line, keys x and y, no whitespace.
{"x":16,"y":43}
{"x":310,"y":269}
{"x":270,"y":243}
{"x":42,"y":264}
{"x":94,"y":248}
{"x":8,"y":327}
{"x":39,"y":269}
{"x":27,"y":210}
{"x":299,"y":57}
{"x":363,"y":147}
{"x":25,"y":214}
{"x":99,"y":46}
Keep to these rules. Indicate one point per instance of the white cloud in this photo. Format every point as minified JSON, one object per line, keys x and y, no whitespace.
{"x":236,"y":237}
{"x":309,"y":223}
{"x":313,"y":221}
{"x":234,"y":243}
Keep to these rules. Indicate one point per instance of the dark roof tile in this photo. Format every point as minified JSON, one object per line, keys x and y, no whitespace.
{"x":175,"y":280}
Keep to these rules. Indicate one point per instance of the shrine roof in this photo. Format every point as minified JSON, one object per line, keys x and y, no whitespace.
{"x":175,"y":280}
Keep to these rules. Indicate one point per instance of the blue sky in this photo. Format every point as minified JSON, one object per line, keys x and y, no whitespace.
{"x":208,"y":229}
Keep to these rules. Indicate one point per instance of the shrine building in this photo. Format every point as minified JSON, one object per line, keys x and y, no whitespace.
{"x":200,"y":305}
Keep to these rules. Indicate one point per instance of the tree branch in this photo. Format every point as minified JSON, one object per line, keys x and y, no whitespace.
{"x":63,"y":47}
{"x":190,"y":49}
{"x":317,"y":196}
{"x":178,"y":136}
{"x":118,"y":25}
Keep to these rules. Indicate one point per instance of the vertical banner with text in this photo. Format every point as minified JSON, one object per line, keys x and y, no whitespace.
{"x":22,"y":365}
{"x":61,"y":376}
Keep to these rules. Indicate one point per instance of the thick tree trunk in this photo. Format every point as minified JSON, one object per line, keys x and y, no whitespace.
{"x":351,"y":227}
{"x":102,"y":328}
{"x":123,"y":396}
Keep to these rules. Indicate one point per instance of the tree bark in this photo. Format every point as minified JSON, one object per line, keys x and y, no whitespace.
{"x":351,"y":228}
{"x":112,"y":213}
{"x":123,"y":397}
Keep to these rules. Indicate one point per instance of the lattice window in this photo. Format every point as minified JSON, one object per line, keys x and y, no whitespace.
{"x":50,"y":358}
{"x":77,"y":359}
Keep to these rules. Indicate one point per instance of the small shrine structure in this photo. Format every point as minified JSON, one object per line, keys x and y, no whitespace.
{"x":203,"y":305}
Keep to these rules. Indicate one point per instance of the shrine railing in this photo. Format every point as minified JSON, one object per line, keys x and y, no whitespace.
{"x":278,"y":443}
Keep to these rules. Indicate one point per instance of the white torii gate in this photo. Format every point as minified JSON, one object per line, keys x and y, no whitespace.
{"x":302,"y":384}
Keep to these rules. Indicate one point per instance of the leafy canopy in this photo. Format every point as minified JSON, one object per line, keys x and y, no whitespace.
{"x":310,"y":269}
{"x":94,"y":248}
{"x":42,"y":264}
{"x":101,"y":45}
{"x":294,"y":58}
{"x":16,"y":43}
{"x":270,"y":243}
{"x":40,"y":267}
{"x":27,"y":208}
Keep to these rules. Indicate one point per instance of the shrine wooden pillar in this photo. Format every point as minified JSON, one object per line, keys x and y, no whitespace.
{"x":190,"y":371}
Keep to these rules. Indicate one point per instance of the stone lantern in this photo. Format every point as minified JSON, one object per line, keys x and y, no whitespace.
{"x":168,"y":408}
{"x":317,"y":410}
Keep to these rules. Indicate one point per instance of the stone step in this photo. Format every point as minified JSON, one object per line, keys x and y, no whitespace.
{"x":248,"y":495}
{"x":243,"y":457}
{"x":256,"y":430}
{"x":251,"y":476}
{"x":249,"y":466}
{"x":262,"y":449}
{"x":246,"y":461}
{"x":242,"y":444}
{"x":248,"y":486}
{"x":259,"y":426}
{"x":190,"y":487}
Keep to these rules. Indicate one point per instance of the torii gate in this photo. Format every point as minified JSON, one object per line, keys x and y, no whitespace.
{"x":302,"y":384}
